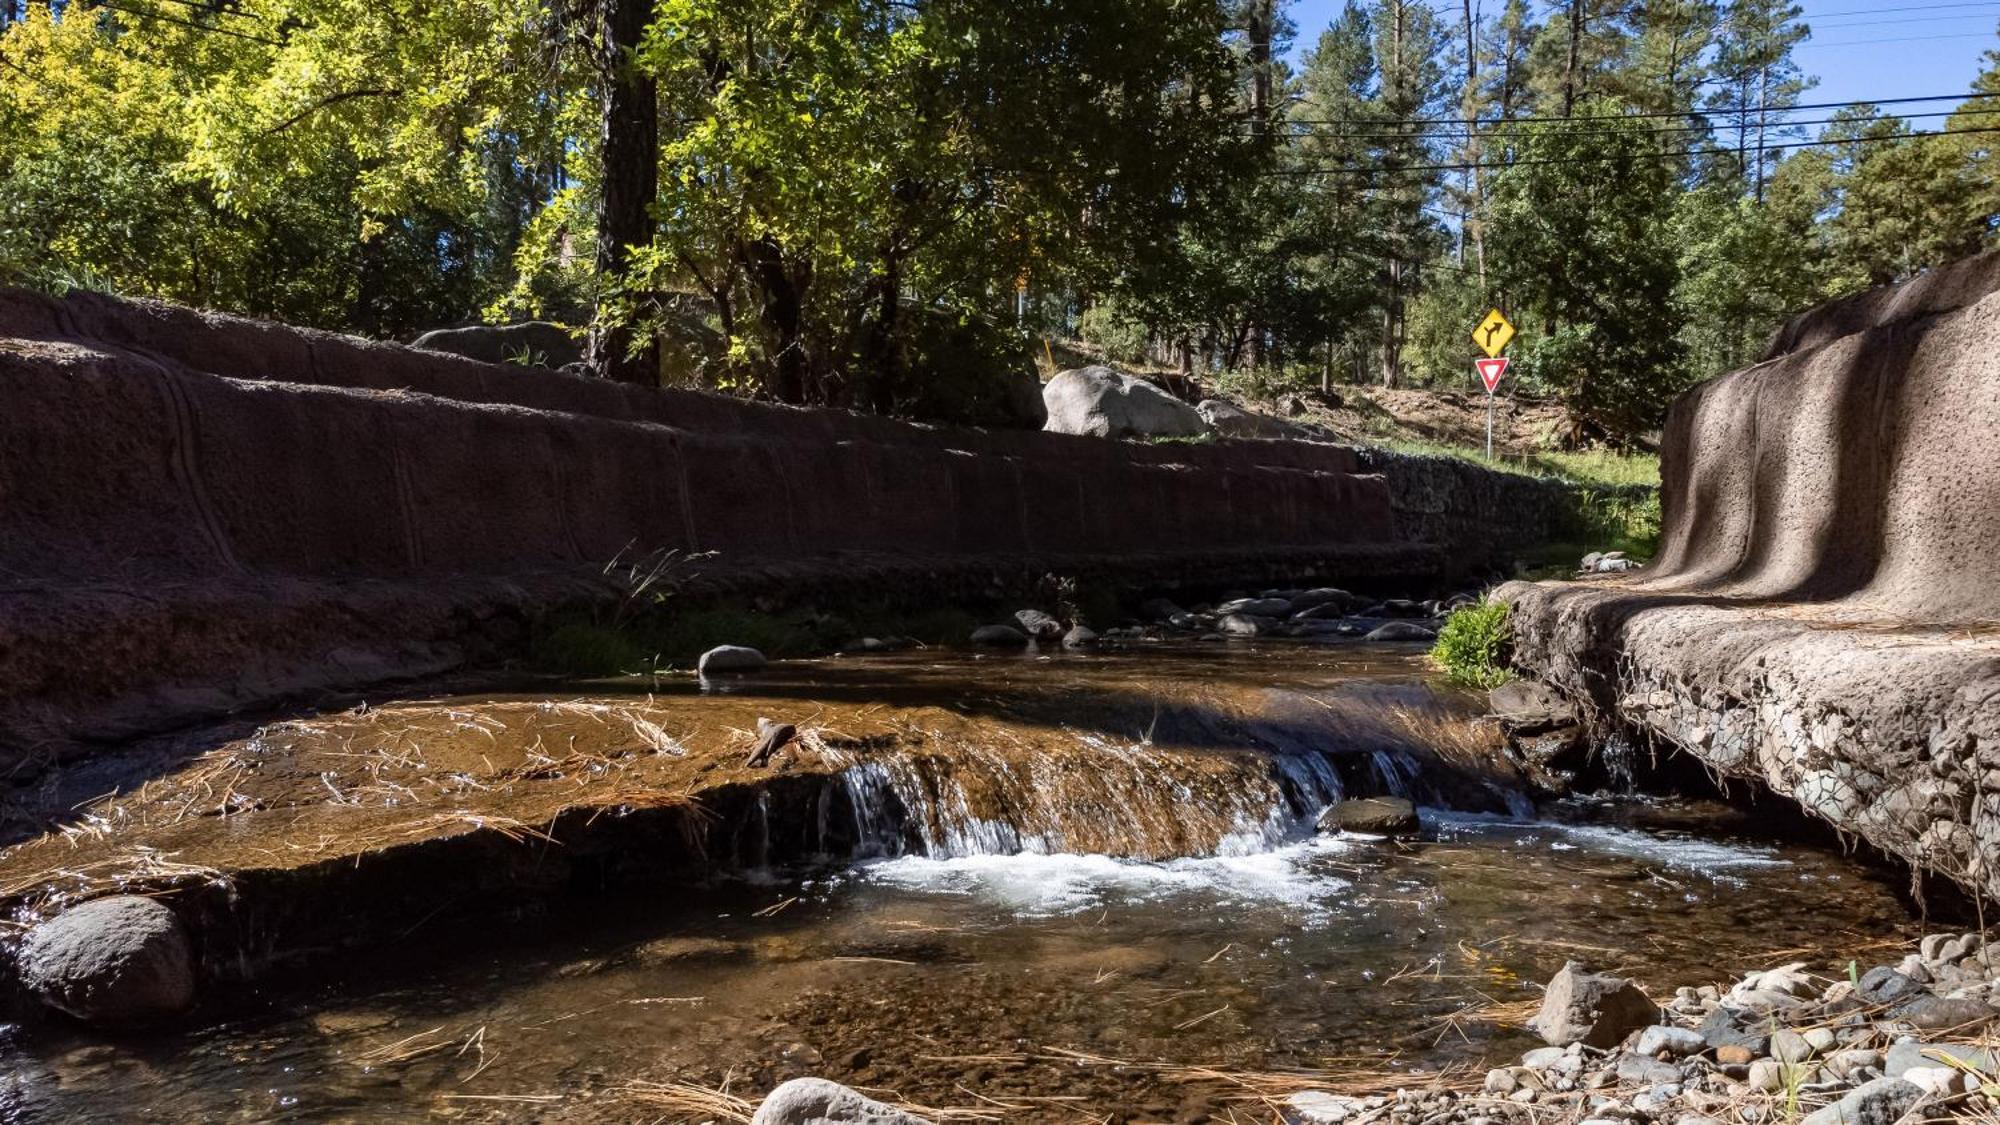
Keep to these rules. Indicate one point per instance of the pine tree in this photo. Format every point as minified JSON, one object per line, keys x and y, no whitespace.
{"x":1757,"y":78}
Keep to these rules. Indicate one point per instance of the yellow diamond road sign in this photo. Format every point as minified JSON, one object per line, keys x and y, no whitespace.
{"x":1493,"y":334}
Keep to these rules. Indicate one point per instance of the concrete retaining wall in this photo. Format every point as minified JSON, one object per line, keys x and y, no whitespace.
{"x":239,"y":509}
{"x":1824,"y":615}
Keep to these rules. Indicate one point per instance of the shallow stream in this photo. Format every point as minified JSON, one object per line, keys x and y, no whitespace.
{"x":1027,"y":987}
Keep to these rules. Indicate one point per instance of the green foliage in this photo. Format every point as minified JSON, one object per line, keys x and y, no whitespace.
{"x":1112,"y":328}
{"x":962,"y":370}
{"x":1610,"y":519}
{"x":1473,"y":647}
{"x":1582,"y":231}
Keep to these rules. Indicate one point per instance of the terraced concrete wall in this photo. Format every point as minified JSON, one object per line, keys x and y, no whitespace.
{"x":221,"y":511}
{"x":1824,"y":616}
{"x":1860,"y":462}
{"x":155,"y":440}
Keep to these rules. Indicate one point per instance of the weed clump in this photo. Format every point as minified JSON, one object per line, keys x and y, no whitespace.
{"x":1474,"y":646}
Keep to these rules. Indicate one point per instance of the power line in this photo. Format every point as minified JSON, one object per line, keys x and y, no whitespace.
{"x":1614,"y":156}
{"x":1875,"y":42}
{"x":1760,"y":109}
{"x":1905,"y":8}
{"x":1448,"y":135}
{"x":1910,"y":19}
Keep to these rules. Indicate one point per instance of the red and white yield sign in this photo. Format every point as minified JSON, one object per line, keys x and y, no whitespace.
{"x":1491,"y":371}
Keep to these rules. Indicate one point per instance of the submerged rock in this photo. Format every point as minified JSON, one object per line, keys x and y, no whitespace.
{"x":1079,"y":636}
{"x":728,"y":659}
{"x":114,"y":962}
{"x":999,"y":636}
{"x":1595,"y":1009}
{"x":1403,"y":631}
{"x":816,"y":1101}
{"x":1379,"y":816}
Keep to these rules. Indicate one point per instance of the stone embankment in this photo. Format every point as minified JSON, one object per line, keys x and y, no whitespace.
{"x":1823,"y":618}
{"x":205,"y":513}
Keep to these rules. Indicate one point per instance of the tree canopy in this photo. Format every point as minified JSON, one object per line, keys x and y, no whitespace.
{"x":825,"y":185}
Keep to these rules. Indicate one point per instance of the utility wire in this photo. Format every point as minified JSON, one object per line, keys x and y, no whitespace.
{"x":1385,"y":122}
{"x":1614,"y":156}
{"x":1449,"y":135}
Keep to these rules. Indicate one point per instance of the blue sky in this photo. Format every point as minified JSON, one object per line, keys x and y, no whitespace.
{"x":1860,"y":49}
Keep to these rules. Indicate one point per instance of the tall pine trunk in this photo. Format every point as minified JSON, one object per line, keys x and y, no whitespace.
{"x":629,"y":149}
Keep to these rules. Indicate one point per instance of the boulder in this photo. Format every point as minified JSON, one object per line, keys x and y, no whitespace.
{"x":1377,"y":816}
{"x":999,"y":636}
{"x":1230,"y":420}
{"x":728,"y":659}
{"x":531,"y":343}
{"x":816,"y":1101}
{"x":1595,"y":1009}
{"x":1100,"y":402}
{"x":115,"y":962}
{"x":1039,"y":625}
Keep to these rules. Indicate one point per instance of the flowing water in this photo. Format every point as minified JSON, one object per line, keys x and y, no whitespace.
{"x":1140,"y":927}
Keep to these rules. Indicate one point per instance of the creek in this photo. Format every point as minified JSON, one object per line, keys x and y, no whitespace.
{"x":1043,"y":888}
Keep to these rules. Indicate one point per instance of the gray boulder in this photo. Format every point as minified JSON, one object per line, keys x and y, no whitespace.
{"x":1377,"y":816}
{"x":816,"y":1101}
{"x":532,"y":343}
{"x":999,"y":636}
{"x":1100,"y":402}
{"x":1079,"y":636}
{"x":112,"y":962}
{"x":1230,"y":420}
{"x":1595,"y":1009}
{"x":727,"y":659}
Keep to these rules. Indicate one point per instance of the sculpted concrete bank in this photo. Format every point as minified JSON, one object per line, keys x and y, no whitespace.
{"x":1822,"y":616}
{"x":200,"y":512}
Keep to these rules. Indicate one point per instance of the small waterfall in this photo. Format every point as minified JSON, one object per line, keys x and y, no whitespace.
{"x":1101,"y":797}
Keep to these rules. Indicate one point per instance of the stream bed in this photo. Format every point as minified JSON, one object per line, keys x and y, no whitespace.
{"x":955,"y":970}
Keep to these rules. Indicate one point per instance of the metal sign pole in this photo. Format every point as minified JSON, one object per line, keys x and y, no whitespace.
{"x":1489,"y":425}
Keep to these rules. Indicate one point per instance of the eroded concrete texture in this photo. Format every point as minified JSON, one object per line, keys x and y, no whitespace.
{"x":1822,"y":614}
{"x":201,"y":513}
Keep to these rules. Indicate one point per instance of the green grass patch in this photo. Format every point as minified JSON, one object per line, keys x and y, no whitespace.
{"x":1592,"y":466}
{"x":1474,"y":645}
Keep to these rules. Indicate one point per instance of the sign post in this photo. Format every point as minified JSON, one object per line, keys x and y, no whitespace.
{"x":1493,"y":335}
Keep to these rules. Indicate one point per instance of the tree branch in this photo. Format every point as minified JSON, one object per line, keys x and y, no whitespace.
{"x":328,"y":102}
